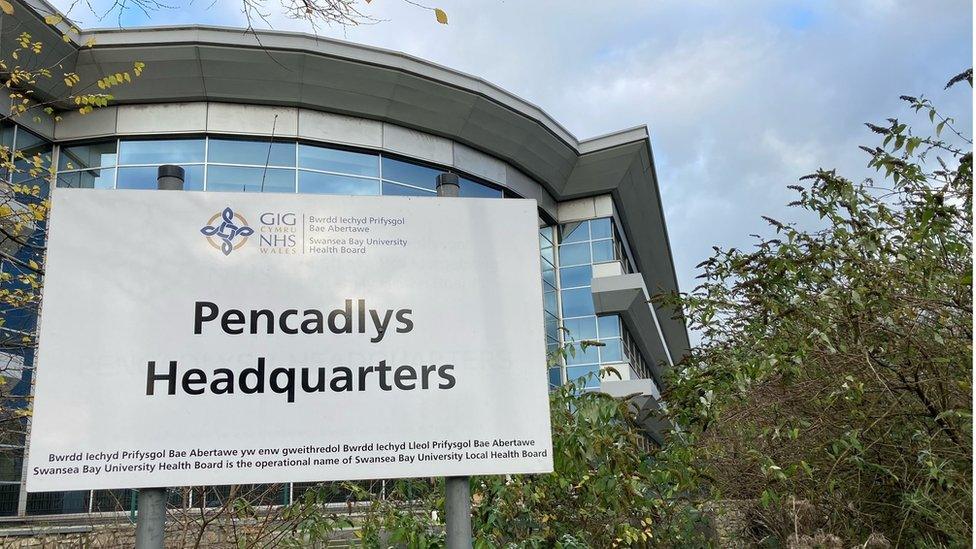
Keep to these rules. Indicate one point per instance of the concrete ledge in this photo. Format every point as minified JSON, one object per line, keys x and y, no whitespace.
{"x":625,"y":295}
{"x":643,"y":403}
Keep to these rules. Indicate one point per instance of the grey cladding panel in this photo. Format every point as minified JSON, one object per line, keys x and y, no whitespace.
{"x":430,"y":105}
{"x":347,"y":76}
{"x":641,"y":213}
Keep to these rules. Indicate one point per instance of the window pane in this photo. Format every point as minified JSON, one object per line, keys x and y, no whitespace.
{"x":337,"y":160}
{"x":600,"y":228}
{"x":583,"y":356}
{"x":251,"y":180}
{"x":239,"y":151}
{"x":552,"y":328}
{"x":323,"y":183}
{"x":471,"y":189}
{"x":87,"y":156}
{"x":576,"y":232}
{"x":144,"y":177}
{"x":29,"y":143}
{"x":592,"y":374}
{"x":546,"y":254}
{"x":7,"y":135}
{"x":392,"y":189}
{"x":26,"y":172}
{"x":548,"y":274}
{"x":574,"y":254}
{"x":11,"y":460}
{"x":549,"y":301}
{"x":611,"y":351}
{"x":581,"y":328}
{"x":88,"y":179}
{"x":412,"y":174}
{"x":602,"y":251}
{"x":546,"y":233}
{"x":570,"y":277}
{"x":555,"y":377}
{"x":609,"y":326}
{"x":161,"y":151}
{"x":578,"y":302}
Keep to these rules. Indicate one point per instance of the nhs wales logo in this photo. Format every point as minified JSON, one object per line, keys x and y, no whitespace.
{"x":227,"y":231}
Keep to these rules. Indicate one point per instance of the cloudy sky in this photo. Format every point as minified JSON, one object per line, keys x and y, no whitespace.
{"x":741,"y":98}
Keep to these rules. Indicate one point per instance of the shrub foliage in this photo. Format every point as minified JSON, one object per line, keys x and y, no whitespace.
{"x":836,"y":363}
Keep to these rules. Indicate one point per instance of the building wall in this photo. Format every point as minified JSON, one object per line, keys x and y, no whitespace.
{"x":231,"y":147}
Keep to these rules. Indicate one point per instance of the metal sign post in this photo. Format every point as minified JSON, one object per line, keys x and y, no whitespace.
{"x":151,"y":509}
{"x":457,"y":490}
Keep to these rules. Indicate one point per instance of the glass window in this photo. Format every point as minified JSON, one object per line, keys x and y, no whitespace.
{"x":144,"y":177}
{"x":591,"y":373}
{"x":609,"y":326}
{"x":578,"y":302}
{"x":251,"y":180}
{"x":7,"y":135}
{"x":581,"y":328}
{"x":602,"y":251}
{"x":239,"y":151}
{"x":338,"y":160}
{"x":87,"y":156}
{"x":161,"y":151}
{"x":323,"y":183}
{"x":571,"y":277}
{"x":574,"y":254}
{"x":576,"y":232}
{"x":549,"y":301}
{"x":546,"y":234}
{"x":549,"y":275}
{"x":601,"y":228}
{"x":11,"y":460}
{"x":552,"y":328}
{"x":411,"y":174}
{"x":611,"y":351}
{"x":590,"y":355}
{"x":29,"y":143}
{"x":89,"y":179}
{"x":392,"y":189}
{"x":471,"y":189}
{"x":546,"y":252}
{"x":25,"y":171}
{"x":555,"y":377}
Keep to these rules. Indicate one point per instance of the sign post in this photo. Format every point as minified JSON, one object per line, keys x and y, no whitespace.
{"x":151,"y":509}
{"x":457,"y":490}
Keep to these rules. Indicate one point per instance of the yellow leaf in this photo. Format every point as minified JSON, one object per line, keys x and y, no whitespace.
{"x":33,"y":264}
{"x":7,"y":7}
{"x":439,"y":13}
{"x":53,"y":19}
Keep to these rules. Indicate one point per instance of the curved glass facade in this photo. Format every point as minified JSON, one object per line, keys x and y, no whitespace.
{"x":219,"y":163}
{"x":216,"y":163}
{"x":583,"y":244}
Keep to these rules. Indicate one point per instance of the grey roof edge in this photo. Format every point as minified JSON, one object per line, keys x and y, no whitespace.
{"x":613,"y":139}
{"x":297,"y":41}
{"x":677,"y":314}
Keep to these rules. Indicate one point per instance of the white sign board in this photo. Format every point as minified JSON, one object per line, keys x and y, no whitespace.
{"x":228,"y":338}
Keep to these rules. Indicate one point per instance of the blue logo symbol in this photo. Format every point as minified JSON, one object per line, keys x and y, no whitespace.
{"x":228,"y":235}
